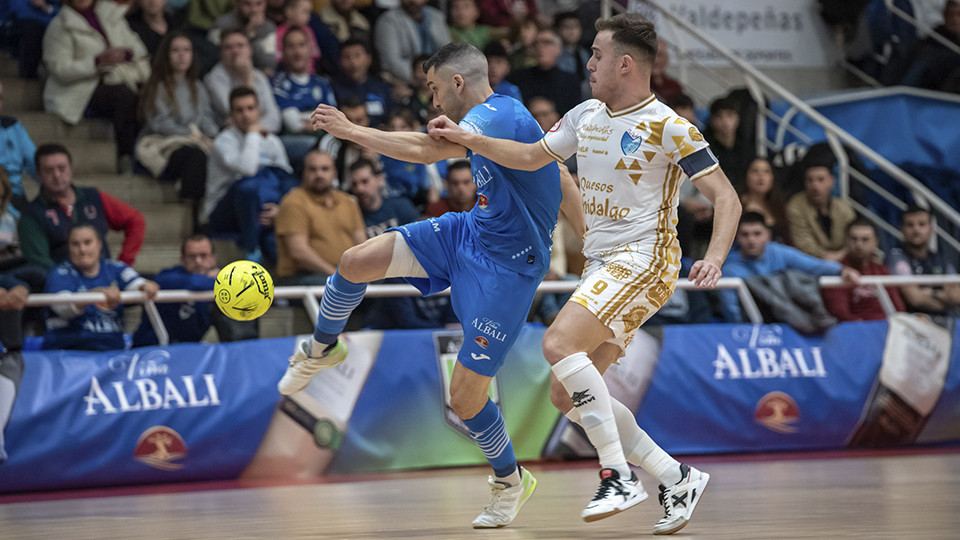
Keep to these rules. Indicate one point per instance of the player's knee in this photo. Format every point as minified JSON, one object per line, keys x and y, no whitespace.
{"x":351,"y":264}
{"x":555,"y":347}
{"x":465,"y":405}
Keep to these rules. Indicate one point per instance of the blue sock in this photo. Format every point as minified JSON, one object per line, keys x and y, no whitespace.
{"x":339,"y":300}
{"x":490,"y":433}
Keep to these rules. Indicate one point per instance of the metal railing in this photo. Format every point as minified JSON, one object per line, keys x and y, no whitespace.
{"x":922,"y":29}
{"x":762,"y":87}
{"x":309,"y":295}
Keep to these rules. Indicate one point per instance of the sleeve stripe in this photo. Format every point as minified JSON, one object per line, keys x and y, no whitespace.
{"x":705,"y":172}
{"x":551,"y":153}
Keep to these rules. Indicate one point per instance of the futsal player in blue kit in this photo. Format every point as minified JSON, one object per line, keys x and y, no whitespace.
{"x":492,"y":257}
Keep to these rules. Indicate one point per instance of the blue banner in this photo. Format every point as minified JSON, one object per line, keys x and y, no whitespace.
{"x":736,"y":388}
{"x":185,"y":412}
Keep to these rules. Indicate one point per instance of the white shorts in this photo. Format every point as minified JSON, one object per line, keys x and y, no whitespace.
{"x":625,"y":288}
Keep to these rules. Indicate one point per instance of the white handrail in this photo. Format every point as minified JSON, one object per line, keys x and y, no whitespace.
{"x":309,"y":295}
{"x":831,"y":128}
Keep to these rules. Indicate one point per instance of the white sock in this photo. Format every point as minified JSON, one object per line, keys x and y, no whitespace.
{"x":638,"y":447}
{"x":582,"y":381}
{"x":512,"y":480}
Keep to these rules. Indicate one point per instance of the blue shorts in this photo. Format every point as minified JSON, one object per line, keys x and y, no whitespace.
{"x":491,"y":302}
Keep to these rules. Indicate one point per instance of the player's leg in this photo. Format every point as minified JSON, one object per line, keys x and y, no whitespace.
{"x":565,"y":345}
{"x":344,"y":291}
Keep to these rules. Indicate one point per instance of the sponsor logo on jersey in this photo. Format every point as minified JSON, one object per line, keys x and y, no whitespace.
{"x":489,"y":327}
{"x":482,"y":201}
{"x":777,"y":411}
{"x":159,"y":447}
{"x":476,"y":356}
{"x":482,"y":342}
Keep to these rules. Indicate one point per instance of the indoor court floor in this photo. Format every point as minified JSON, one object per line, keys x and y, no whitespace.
{"x":873,"y":495}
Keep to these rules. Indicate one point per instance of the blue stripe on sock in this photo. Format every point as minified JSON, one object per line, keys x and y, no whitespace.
{"x":340,"y":298}
{"x":490,"y":433}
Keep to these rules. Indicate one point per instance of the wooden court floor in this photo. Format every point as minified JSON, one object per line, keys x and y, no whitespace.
{"x":873,"y":495}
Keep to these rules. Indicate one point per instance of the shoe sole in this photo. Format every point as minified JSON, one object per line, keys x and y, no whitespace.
{"x":693,"y":506}
{"x":597,"y":517}
{"x":290,"y":392}
{"x":523,"y":500}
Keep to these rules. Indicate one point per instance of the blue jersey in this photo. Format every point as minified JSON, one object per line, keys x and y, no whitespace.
{"x":516,"y":211}
{"x":303,"y":96}
{"x":186,"y":322}
{"x":94,"y":329}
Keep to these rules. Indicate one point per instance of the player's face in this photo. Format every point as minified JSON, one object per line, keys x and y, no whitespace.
{"x":917,"y":229}
{"x":181,"y":54}
{"x":296,"y":51}
{"x":818,"y":181}
{"x":55,"y":173}
{"x":861,"y":243}
{"x":753,"y":238}
{"x":319,"y":173}
{"x":84,"y":246}
{"x":460,"y":186}
{"x":603,"y":66}
{"x":760,"y":177}
{"x":198,"y":257}
{"x":445,"y":96}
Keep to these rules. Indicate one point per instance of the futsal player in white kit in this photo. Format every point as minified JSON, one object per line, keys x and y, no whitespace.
{"x":633,"y":152}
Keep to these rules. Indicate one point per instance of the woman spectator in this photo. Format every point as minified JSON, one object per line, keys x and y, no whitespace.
{"x":761,"y":195}
{"x":178,"y":119}
{"x":95,"y":64}
{"x":151,"y":21}
{"x":90,"y":326}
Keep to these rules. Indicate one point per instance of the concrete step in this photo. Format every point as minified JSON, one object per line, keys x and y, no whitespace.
{"x":91,"y":157}
{"x":21,"y":96}
{"x":166,"y":222}
{"x":285,"y":321}
{"x":154,"y":255}
{"x":46,"y":127}
{"x":131,"y":189}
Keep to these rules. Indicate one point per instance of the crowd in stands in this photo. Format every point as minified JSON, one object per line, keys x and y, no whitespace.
{"x":215,"y":97}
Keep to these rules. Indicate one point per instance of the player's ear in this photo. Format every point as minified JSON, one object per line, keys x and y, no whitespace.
{"x":458,"y":82}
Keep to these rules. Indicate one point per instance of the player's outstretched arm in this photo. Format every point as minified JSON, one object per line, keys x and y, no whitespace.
{"x":726,"y":216}
{"x":506,"y":152}
{"x":411,"y":146}
{"x":572,"y":204}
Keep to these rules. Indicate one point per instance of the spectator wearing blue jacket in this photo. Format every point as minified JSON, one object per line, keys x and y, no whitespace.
{"x":16,"y":152}
{"x":90,"y":326}
{"x":754,"y":254}
{"x":23,"y":22}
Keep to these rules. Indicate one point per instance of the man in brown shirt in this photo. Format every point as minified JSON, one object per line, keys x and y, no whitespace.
{"x":315,"y":225}
{"x":818,"y":220}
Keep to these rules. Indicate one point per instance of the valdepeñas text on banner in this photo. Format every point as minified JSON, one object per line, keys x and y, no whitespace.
{"x":766,"y":33}
{"x":187,"y":412}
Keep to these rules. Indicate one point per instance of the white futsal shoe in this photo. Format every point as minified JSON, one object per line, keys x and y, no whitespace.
{"x":505,"y":502}
{"x":614,"y":495}
{"x":680,"y":499}
{"x":303,"y":367}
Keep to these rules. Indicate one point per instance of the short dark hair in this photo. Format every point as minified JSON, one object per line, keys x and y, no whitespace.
{"x":292,"y":29}
{"x":50,"y":149}
{"x":242,"y":91}
{"x":859,"y":222}
{"x":634,"y":31}
{"x":469,"y":61}
{"x":231,"y":31}
{"x":914,"y":209}
{"x":560,"y":17}
{"x":457,"y":165}
{"x":363,"y":163}
{"x":352,"y":102}
{"x":723,"y":104}
{"x":90,"y":226}
{"x":752,"y":217}
{"x":196,"y":238}
{"x":419,"y":59}
{"x":353,"y":42}
{"x":495,"y":49}
{"x":680,"y":100}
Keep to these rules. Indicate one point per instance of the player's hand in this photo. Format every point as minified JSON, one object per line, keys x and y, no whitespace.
{"x":331,"y":120}
{"x":443,"y":127}
{"x":150,"y":289}
{"x":704,"y":274}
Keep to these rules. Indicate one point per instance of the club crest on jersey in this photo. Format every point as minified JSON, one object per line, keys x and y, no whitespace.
{"x":631,"y":141}
{"x":482,"y":342}
{"x":482,"y":201}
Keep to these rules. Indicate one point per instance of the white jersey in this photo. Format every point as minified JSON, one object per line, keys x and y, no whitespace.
{"x":631,"y":164}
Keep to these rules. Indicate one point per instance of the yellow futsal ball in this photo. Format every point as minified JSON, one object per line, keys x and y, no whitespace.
{"x":243,"y":290}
